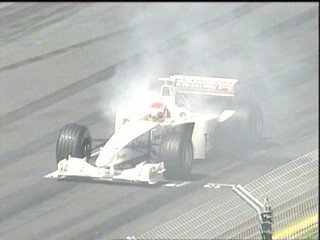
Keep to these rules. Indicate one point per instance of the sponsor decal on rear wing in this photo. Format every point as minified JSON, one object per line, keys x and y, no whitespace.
{"x":203,"y":85}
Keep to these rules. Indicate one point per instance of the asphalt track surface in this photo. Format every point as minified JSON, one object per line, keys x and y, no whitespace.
{"x":67,"y":62}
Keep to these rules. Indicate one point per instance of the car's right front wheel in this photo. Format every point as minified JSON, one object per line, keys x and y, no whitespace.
{"x":176,"y":151}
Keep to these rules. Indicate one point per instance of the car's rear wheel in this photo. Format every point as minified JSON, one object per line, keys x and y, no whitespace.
{"x":176,"y":151}
{"x":249,"y":119}
{"x":74,"y":140}
{"x":242,"y":131}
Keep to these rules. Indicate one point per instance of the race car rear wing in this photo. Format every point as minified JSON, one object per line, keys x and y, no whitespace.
{"x":202,"y":85}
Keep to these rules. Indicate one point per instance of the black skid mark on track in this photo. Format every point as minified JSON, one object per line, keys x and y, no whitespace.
{"x":106,"y":73}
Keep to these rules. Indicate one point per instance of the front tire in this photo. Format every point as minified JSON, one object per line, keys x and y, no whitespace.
{"x":176,"y":151}
{"x":74,"y":140}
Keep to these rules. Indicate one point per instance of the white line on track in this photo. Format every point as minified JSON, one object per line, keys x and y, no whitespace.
{"x":176,"y":184}
{"x":217,"y":185}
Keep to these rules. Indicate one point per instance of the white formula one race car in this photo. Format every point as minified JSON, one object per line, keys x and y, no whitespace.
{"x":161,"y":142}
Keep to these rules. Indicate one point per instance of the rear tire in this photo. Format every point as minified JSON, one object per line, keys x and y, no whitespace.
{"x":74,"y":140}
{"x":242,"y":131}
{"x":176,"y":151}
{"x":250,"y":120}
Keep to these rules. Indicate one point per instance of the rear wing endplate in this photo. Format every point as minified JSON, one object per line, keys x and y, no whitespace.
{"x":215,"y":86}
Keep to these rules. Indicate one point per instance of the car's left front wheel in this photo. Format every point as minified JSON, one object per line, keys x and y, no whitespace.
{"x":74,"y":140}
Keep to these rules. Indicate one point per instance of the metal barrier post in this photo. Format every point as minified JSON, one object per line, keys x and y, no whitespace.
{"x":266,"y":221}
{"x":263,"y":209}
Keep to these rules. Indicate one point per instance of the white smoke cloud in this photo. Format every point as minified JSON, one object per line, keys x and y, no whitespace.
{"x":250,"y":48}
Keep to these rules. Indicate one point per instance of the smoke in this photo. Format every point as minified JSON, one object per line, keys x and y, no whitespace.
{"x":270,"y":47}
{"x":129,"y":88}
{"x":134,"y":84}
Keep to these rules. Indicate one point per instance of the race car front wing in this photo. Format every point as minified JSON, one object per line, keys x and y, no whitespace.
{"x":150,"y":173}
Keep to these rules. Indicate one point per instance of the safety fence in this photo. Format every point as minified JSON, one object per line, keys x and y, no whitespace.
{"x":292,"y":190}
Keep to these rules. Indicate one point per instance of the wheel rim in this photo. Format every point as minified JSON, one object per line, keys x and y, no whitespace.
{"x":254,"y":125}
{"x":187,"y":157}
{"x":86,"y":148}
{"x":257,"y":125}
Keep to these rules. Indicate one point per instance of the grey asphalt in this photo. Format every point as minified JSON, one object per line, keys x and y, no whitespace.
{"x":78,"y":62}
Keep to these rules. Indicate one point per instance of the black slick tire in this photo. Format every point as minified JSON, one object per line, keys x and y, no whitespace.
{"x":176,"y":151}
{"x":242,"y":131}
{"x":249,"y":119}
{"x":74,"y":140}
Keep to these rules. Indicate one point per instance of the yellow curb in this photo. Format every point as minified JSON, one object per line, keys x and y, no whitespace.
{"x":296,"y":227}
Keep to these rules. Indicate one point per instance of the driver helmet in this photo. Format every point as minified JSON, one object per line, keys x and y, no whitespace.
{"x":157,"y":112}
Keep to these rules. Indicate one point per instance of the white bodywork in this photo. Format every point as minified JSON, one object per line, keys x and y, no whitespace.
{"x":131,"y":153}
